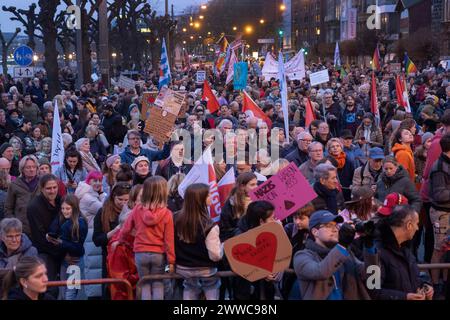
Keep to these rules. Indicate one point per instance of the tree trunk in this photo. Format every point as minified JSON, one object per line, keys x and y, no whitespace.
{"x":86,"y":48}
{"x":5,"y":60}
{"x":47,"y":21}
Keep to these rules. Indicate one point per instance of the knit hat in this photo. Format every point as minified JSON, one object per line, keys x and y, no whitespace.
{"x":111,"y":160}
{"x":139,"y":159}
{"x":427,"y":136}
{"x":3,"y":147}
{"x":44,"y":161}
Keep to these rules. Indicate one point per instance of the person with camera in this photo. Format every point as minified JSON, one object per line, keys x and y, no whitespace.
{"x":399,"y":272}
{"x":326,"y":268}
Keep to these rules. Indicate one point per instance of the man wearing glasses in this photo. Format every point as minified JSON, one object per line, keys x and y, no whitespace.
{"x":300,"y":155}
{"x":326,"y":269}
{"x":134,"y":150}
{"x":315,"y":152}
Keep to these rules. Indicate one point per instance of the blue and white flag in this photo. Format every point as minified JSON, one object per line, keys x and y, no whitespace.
{"x":57,"y":158}
{"x":283,"y":89}
{"x":337,"y":56}
{"x":164,"y":68}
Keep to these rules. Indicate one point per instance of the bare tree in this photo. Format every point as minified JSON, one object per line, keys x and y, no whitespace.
{"x":5,"y":49}
{"x":28,"y":18}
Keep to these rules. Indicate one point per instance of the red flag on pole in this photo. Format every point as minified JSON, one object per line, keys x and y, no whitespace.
{"x":399,"y":92}
{"x":376,"y":65}
{"x":374,"y":100}
{"x":208,"y":95}
{"x":252,"y":109}
{"x":310,"y":115}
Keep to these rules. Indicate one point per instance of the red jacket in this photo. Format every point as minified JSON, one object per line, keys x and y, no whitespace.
{"x":121,"y":265}
{"x":432,"y":155}
{"x":154,"y":231}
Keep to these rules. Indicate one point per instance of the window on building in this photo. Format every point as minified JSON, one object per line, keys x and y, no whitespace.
{"x":318,"y":31}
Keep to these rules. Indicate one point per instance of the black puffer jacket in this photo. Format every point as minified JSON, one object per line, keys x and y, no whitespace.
{"x":401,"y":183}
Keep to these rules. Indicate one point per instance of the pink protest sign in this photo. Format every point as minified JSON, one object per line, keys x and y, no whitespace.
{"x":288,"y":191}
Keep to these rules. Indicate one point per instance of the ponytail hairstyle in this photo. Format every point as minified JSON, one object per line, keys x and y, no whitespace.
{"x":74,"y":203}
{"x":25,"y":267}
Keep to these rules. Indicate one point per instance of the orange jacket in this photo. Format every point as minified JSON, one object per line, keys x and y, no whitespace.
{"x":154,"y":231}
{"x":404,"y":156}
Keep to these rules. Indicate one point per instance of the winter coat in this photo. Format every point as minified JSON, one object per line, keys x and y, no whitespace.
{"x":345,"y":178}
{"x":307,"y":169}
{"x":316,"y":266}
{"x":128,"y":157}
{"x":432,"y":155}
{"x":70,"y":245}
{"x":154,"y":231}
{"x":175,"y":202}
{"x":440,"y":184}
{"x":40,"y":215}
{"x":65,"y":175}
{"x":167,"y":169}
{"x":404,"y":156}
{"x":31,"y":113}
{"x":352,"y":119}
{"x":17,"y":200}
{"x":376,"y":136}
{"x":399,"y":271}
{"x":112,"y":127}
{"x":17,"y":293}
{"x":362,"y":177}
{"x":26,"y":249}
{"x":401,"y":183}
{"x":335,"y":124}
{"x":228,"y":223}
{"x":298,"y":156}
{"x":320,"y":202}
{"x":3,"y":195}
{"x":90,"y":203}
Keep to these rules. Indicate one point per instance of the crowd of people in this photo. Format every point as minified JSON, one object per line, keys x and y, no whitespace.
{"x":113,"y":210}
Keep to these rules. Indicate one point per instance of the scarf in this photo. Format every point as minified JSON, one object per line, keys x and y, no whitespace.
{"x":89,"y":162}
{"x":330,"y":196}
{"x":367,"y":131}
{"x":341,"y":160}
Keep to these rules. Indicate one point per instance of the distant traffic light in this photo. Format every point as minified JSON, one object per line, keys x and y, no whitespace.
{"x":280,"y":33}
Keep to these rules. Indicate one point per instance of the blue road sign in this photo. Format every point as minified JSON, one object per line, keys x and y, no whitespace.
{"x":23,"y":56}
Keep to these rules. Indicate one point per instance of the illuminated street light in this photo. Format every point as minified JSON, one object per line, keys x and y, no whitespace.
{"x":234,"y":28}
{"x":282,"y":7}
{"x":203,"y":7}
{"x":184,"y":41}
{"x":248,"y":29}
{"x":35,"y":58}
{"x":184,"y":29}
{"x":192,"y":37}
{"x":262,"y":21}
{"x":209,"y":32}
{"x":202,"y":17}
{"x":70,"y":56}
{"x":196,"y":25}
{"x":191,"y":24}
{"x":114,"y":55}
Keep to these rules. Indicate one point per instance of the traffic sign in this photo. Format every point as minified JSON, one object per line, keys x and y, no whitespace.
{"x":266,"y":40}
{"x":200,"y":76}
{"x":23,"y":56}
{"x":23,"y":72}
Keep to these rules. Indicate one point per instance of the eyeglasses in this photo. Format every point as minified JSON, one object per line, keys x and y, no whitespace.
{"x":13,"y":236}
{"x":329,"y":226}
{"x":306,"y":140}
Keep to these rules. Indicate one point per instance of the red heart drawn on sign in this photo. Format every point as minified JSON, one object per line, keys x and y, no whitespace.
{"x":261,"y":256}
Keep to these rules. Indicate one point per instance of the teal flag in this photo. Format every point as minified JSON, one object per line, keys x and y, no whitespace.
{"x":240,"y":75}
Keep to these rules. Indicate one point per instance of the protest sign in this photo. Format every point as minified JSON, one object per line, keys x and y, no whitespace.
{"x":240,"y":75}
{"x":126,"y":83}
{"x":319,"y":77}
{"x":159,"y":101}
{"x":259,"y":252}
{"x":160,"y":124}
{"x":200,"y":76}
{"x":395,"y":68}
{"x":288,"y":191}
{"x":170,"y":101}
{"x":148,"y":99}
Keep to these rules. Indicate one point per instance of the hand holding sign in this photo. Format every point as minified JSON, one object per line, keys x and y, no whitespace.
{"x":259,"y":252}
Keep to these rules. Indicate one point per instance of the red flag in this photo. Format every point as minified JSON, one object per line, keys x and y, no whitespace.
{"x":208,"y":95}
{"x":251,"y":109}
{"x":399,"y":92}
{"x":376,"y":60}
{"x":374,"y":100}
{"x":225,"y":185}
{"x":310,"y":114}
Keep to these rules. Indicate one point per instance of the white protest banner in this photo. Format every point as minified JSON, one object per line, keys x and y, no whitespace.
{"x":126,"y":83}
{"x":57,"y":157}
{"x":319,"y":77}
{"x":200,"y":76}
{"x":294,"y":68}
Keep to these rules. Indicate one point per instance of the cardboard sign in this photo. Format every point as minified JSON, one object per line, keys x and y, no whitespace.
{"x":200,"y":76}
{"x":259,"y":252}
{"x":319,"y":77}
{"x":288,"y":191}
{"x":160,"y":124}
{"x":395,"y":67}
{"x":170,"y":101}
{"x":148,"y":99}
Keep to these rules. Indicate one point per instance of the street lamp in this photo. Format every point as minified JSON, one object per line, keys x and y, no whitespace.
{"x":282,"y":7}
{"x":234,"y":28}
{"x":196,"y":25}
{"x":201,"y":17}
{"x":262,"y":21}
{"x":35,"y":57}
{"x":203,"y":7}
{"x":70,"y":56}
{"x":249,"y":29}
{"x":184,"y":29}
{"x":114,"y":55}
{"x":192,"y":37}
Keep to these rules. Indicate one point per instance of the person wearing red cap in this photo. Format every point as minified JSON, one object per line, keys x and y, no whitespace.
{"x":390,"y":202}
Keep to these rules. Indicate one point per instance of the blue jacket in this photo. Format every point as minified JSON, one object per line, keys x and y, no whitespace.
{"x":70,"y":245}
{"x":128,"y":157}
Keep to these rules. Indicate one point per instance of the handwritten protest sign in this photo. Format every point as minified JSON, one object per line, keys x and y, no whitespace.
{"x":319,"y":77}
{"x":160,"y":124}
{"x":148,"y":99}
{"x":170,"y":101}
{"x":259,"y":252}
{"x":126,"y":83}
{"x":395,"y":67}
{"x":288,"y":191}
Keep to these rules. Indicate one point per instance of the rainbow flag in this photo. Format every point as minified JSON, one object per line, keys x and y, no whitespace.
{"x":221,"y":61}
{"x":410,"y":67}
{"x":376,"y":60}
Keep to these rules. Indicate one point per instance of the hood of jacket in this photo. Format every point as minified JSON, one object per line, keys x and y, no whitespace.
{"x":151,"y":217}
{"x":83,"y":188}
{"x":25,"y":244}
{"x":401,"y":173}
{"x":400,"y":147}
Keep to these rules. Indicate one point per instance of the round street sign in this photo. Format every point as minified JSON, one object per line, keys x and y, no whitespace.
{"x":23,"y":56}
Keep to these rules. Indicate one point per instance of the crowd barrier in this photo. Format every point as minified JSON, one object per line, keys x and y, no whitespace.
{"x":226,"y":274}
{"x":98,"y":281}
